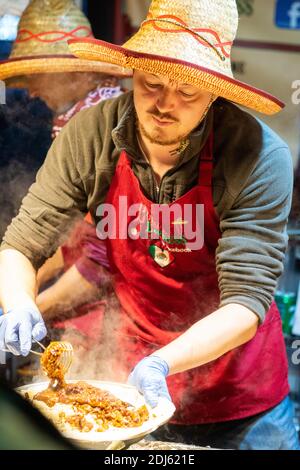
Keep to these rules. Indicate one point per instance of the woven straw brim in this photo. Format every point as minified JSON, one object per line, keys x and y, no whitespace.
{"x":178,"y":70}
{"x":13,"y":70}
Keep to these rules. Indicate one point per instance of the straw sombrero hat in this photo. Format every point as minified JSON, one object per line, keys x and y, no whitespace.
{"x":41,"y":44}
{"x":189,"y":41}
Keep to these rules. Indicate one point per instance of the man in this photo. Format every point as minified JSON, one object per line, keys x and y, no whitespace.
{"x":195,"y":287}
{"x":41,"y":62}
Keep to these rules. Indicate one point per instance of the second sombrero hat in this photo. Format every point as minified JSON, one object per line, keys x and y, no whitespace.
{"x":41,"y":45}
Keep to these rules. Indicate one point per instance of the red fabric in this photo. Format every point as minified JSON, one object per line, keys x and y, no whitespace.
{"x":158,"y":304}
{"x":88,"y":254}
{"x":88,"y":322}
{"x":108,"y":88}
{"x":86,"y":251}
{"x":73,"y":247}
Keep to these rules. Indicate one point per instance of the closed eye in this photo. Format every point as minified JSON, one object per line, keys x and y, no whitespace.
{"x":188,"y":95}
{"x":153,"y":85}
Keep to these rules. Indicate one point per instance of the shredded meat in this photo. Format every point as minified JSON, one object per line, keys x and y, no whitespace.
{"x":87,"y":401}
{"x":51,"y":362}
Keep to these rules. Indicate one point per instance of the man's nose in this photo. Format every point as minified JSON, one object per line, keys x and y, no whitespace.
{"x":165,"y":101}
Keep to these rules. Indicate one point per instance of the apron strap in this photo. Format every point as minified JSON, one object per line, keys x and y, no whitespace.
{"x":124,"y":160}
{"x":206,"y":163}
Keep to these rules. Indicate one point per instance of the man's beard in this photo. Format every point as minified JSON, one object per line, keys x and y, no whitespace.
{"x":155,"y":138}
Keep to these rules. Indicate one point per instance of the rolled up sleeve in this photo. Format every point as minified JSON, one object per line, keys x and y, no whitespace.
{"x":251,"y":250}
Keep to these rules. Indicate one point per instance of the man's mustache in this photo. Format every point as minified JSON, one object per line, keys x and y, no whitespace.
{"x":162,"y":117}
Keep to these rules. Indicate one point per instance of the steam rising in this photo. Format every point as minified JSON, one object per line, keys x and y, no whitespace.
{"x":100,"y":360}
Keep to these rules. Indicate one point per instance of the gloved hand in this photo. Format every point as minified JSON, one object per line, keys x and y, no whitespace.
{"x":18,"y":327}
{"x":149,"y":377}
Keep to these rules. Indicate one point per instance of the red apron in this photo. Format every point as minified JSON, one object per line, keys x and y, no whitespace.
{"x":160,"y":303}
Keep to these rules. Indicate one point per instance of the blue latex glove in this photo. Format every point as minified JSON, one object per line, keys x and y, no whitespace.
{"x":18,"y":327}
{"x":149,"y":377}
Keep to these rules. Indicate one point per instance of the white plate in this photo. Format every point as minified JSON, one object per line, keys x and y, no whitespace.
{"x":157,"y":416}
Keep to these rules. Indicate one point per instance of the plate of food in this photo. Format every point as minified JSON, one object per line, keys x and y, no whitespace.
{"x":91,"y":413}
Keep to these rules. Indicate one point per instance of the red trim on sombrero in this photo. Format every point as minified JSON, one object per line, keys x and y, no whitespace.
{"x":34,"y":57}
{"x":145,"y":55}
{"x":62,"y":35}
{"x":151,"y":19}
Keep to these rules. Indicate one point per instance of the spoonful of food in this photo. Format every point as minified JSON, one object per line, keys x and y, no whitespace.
{"x":56,"y":360}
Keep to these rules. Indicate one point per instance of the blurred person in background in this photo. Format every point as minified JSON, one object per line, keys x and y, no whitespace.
{"x":41,"y":62}
{"x":25,"y":138}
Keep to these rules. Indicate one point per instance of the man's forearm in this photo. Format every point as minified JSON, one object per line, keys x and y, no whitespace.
{"x":70,"y":291}
{"x":210,"y":338}
{"x":17,"y":280}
